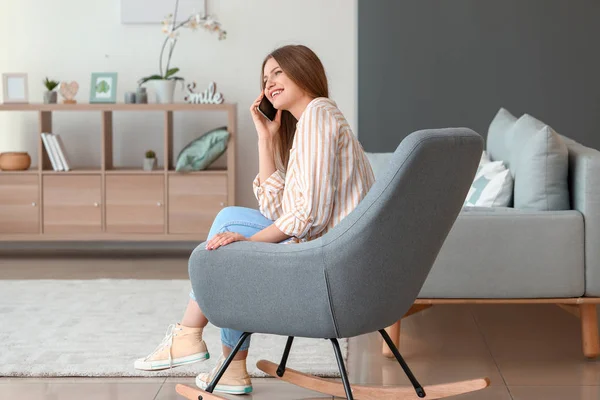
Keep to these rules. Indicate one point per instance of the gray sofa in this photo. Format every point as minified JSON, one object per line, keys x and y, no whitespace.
{"x":513,"y":255}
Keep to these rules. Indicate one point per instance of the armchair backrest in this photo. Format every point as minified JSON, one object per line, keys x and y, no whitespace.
{"x":378,"y":257}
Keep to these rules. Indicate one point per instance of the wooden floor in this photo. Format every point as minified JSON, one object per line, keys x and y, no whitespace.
{"x":527,"y":351}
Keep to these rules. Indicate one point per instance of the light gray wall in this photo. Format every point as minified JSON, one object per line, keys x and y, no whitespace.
{"x":95,"y":40}
{"x":439,"y":63}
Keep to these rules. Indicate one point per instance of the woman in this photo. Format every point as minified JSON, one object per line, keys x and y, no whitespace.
{"x":312,"y":173}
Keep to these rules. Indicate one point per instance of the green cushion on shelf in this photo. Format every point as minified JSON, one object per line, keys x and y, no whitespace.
{"x":203,"y":151}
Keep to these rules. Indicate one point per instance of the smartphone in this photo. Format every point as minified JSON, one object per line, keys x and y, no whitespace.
{"x":266,"y":109}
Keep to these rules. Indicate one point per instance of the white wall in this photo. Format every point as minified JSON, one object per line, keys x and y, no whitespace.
{"x":70,"y":39}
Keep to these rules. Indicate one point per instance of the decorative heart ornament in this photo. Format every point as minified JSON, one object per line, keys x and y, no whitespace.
{"x":68,"y":91}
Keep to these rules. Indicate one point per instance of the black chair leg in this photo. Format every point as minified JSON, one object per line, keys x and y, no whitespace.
{"x":340,"y":361}
{"x":418,"y":388}
{"x":286,"y":353}
{"x":225,"y":365}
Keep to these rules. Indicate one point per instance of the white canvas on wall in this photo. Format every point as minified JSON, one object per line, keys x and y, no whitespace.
{"x":154,"y":11}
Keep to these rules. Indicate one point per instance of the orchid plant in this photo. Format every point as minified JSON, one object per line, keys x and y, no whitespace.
{"x":171,"y":27}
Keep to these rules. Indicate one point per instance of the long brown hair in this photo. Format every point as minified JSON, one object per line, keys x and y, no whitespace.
{"x":305,"y":69}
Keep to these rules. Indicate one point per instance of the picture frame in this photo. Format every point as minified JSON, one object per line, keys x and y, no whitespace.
{"x":15,"y":88}
{"x":103,"y":87}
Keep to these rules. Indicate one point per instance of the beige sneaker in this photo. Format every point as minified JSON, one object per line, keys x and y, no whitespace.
{"x":180,"y":346}
{"x":235,"y":380}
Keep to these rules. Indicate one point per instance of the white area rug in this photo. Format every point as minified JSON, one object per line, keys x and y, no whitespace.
{"x":99,"y":327}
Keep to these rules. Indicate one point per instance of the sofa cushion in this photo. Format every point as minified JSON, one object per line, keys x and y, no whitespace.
{"x":508,"y":253}
{"x":492,"y":185}
{"x":496,"y":144}
{"x":538,"y":161}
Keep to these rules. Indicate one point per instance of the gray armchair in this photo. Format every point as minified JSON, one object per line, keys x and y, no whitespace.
{"x":360,"y":277}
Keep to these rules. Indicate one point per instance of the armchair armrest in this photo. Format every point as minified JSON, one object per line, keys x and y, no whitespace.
{"x":245,"y":284}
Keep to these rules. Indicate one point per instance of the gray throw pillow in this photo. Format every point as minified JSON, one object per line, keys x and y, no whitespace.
{"x":496,"y":143}
{"x":538,"y":160}
{"x":203,"y":151}
{"x":379,"y":163}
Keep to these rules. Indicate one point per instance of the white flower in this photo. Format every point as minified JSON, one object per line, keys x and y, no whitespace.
{"x":167,"y":28}
{"x":192,"y":24}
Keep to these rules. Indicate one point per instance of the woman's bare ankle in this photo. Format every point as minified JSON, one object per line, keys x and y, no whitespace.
{"x":240,"y":355}
{"x":193,"y":316}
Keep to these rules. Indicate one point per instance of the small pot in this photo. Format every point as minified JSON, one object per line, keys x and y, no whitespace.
{"x":149,"y":164}
{"x":165,"y":90}
{"x":15,"y":161}
{"x":50,"y":97}
{"x":130,"y":98}
{"x":141,"y":96}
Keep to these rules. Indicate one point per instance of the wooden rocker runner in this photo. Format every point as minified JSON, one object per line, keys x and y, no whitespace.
{"x":360,"y":277}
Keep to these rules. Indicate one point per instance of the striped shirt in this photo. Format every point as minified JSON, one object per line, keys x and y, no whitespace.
{"x":328,"y":174}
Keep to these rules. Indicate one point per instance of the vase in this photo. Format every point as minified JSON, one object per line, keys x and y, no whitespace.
{"x":141,"y":96}
{"x":149,"y":164}
{"x":130,"y":98}
{"x":50,"y":97}
{"x":165,"y":90}
{"x":15,"y":161}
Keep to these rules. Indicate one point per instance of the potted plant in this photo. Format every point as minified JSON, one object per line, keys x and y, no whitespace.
{"x":164,"y":82}
{"x":50,"y":96}
{"x":150,"y":161}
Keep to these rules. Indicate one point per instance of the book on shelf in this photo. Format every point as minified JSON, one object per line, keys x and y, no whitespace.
{"x":56,"y":151}
{"x":62,"y":153}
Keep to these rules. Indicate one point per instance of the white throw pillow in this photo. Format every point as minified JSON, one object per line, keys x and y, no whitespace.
{"x":485,"y":158}
{"x":492,"y":186}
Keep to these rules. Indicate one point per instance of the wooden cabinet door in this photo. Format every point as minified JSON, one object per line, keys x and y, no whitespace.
{"x":194,"y":202}
{"x":72,"y":203}
{"x":19,"y":204}
{"x":135,"y":203}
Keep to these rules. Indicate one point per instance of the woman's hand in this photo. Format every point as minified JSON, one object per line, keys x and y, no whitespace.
{"x":266,"y":129}
{"x":222,"y":239}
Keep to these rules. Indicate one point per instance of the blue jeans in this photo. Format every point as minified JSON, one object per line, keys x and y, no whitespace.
{"x":247,"y":222}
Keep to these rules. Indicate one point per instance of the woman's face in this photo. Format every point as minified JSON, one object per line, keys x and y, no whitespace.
{"x":281,"y":91}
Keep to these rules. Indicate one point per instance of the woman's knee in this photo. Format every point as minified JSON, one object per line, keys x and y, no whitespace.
{"x":232,"y":214}
{"x":227,"y":214}
{"x":243,"y":220}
